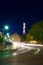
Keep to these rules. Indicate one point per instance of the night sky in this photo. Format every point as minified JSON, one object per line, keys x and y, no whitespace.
{"x":14,"y":13}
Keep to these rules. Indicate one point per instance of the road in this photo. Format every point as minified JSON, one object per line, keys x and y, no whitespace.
{"x":25,"y":55}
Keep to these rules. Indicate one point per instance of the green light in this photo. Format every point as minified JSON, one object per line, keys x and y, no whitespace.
{"x":7,"y":34}
{"x":6,"y":27}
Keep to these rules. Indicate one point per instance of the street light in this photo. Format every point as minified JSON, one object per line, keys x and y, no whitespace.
{"x":8,"y":34}
{"x":6,"y":27}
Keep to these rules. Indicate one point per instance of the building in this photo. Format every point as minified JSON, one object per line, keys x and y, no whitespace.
{"x":15,"y":37}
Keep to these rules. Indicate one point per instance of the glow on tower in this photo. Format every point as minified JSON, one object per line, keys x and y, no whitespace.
{"x":24,"y":27}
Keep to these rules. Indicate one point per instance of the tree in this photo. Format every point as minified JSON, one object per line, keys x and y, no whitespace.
{"x":37,"y":31}
{"x":28,"y":37}
{"x":23,"y":37}
{"x":1,"y":39}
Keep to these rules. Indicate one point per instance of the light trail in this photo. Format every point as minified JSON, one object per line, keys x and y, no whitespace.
{"x":19,"y":44}
{"x":33,"y":44}
{"x":38,"y":50}
{"x":21,"y":48}
{"x":25,"y":47}
{"x":16,"y":45}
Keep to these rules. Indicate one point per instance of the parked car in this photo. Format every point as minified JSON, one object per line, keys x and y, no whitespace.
{"x":8,"y":43}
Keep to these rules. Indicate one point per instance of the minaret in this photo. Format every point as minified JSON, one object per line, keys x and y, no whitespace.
{"x":24,"y":28}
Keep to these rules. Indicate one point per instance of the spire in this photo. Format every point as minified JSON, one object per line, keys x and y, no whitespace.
{"x":24,"y":28}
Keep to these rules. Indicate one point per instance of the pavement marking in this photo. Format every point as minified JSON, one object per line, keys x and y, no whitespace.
{"x":38,"y":50}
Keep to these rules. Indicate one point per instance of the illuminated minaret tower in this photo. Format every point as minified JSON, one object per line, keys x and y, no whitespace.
{"x":24,"y":28}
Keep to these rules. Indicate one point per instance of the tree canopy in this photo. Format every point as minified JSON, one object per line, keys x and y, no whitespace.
{"x":37,"y":31}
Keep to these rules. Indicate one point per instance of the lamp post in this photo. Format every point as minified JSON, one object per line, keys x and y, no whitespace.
{"x":2,"y":30}
{"x":6,"y":27}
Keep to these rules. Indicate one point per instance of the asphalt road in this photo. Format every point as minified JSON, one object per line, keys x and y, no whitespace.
{"x":23,"y":56}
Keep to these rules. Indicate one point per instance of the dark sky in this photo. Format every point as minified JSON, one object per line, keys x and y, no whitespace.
{"x":14,"y":13}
